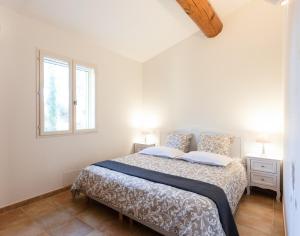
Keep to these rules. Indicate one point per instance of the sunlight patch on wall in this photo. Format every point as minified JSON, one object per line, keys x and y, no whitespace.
{"x":146,"y":124}
{"x":265,"y":121}
{"x":144,"y":120}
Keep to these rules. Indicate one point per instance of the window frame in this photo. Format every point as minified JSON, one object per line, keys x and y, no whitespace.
{"x":72,"y":95}
{"x":90,"y":66}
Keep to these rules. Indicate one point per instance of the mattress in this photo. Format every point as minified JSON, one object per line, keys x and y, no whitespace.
{"x":171,"y":210}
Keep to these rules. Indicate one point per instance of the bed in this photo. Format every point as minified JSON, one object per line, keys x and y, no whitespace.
{"x":168,"y":210}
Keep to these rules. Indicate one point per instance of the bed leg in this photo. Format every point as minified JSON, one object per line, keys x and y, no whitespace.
{"x":120,"y":217}
{"x":74,"y":194}
{"x":130,"y":222}
{"x":88,"y":200}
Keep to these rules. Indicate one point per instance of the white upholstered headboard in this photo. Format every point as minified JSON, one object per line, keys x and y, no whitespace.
{"x":236,"y":151}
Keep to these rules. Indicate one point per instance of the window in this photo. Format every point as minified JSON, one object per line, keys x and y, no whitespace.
{"x":55,"y":96}
{"x":85,"y":98}
{"x":66,"y":96}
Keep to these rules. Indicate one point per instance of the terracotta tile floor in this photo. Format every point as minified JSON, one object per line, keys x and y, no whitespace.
{"x":257,"y":215}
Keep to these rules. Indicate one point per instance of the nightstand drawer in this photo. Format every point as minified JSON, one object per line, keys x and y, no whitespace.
{"x":264,"y":166}
{"x":261,"y":179}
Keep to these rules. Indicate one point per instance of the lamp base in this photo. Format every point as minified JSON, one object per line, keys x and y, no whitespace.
{"x":263,"y":150}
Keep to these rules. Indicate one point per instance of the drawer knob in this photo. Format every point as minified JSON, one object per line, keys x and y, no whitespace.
{"x":262,"y":179}
{"x":262,"y":166}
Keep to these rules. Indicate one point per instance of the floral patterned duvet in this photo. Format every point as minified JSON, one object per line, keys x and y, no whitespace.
{"x":171,"y":210}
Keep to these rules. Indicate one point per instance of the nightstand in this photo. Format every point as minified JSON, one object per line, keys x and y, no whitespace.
{"x":264,"y":172}
{"x":140,"y":146}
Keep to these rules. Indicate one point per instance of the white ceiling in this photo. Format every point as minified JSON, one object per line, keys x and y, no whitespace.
{"x":138,"y":29}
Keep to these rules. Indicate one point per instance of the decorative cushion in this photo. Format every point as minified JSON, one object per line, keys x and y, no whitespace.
{"x":180,"y":141}
{"x":219,"y":144}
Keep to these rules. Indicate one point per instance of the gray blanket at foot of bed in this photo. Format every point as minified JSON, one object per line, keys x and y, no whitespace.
{"x":213,"y":192}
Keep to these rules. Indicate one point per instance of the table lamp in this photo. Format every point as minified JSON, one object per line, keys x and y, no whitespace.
{"x":147,"y":135}
{"x":263,"y":139}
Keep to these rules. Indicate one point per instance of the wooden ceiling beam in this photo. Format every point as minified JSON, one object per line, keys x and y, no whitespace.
{"x":203,"y":14}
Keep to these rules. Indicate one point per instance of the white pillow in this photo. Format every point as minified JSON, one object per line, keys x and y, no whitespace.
{"x":206,"y":158}
{"x":162,"y":151}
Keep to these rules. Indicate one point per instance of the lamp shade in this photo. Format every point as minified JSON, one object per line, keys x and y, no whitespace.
{"x":147,"y":131}
{"x":263,"y":138}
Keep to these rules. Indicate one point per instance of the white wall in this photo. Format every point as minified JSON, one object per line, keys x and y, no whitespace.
{"x":231,"y":83}
{"x":292,"y":151}
{"x":30,"y":166}
{"x":3,"y":123}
